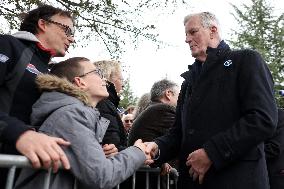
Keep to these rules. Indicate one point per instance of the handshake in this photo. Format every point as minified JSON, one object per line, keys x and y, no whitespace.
{"x":150,"y":150}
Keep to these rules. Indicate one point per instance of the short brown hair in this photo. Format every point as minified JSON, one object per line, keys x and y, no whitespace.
{"x":69,"y":68}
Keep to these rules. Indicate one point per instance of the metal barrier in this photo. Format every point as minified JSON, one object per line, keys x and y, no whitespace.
{"x":17,"y":161}
{"x":149,"y":170}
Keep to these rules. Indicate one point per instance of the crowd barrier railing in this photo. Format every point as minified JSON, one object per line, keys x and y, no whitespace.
{"x":12,"y":162}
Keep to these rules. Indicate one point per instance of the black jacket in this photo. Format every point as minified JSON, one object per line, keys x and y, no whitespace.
{"x":16,"y":121}
{"x":115,"y":133}
{"x":153,"y":122}
{"x":16,"y":107}
{"x":274,"y":151}
{"x":227,"y":107}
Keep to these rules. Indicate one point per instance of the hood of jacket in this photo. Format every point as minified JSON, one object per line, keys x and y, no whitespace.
{"x":26,"y":36}
{"x":57,"y":92}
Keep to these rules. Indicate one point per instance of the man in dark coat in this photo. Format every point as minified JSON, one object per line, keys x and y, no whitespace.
{"x":225,"y":112}
{"x":159,"y":116}
{"x":274,"y":151}
{"x":155,"y":121}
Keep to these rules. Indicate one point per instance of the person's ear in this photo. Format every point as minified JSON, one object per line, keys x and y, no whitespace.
{"x":41,"y":25}
{"x":79,"y":82}
{"x":213,"y":31}
{"x":168,"y":94}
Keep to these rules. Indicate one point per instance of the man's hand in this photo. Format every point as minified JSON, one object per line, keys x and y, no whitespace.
{"x":110,"y":150}
{"x":199,"y":163}
{"x":40,"y":148}
{"x":139,"y":144}
{"x":152,"y":149}
{"x":165,"y":169}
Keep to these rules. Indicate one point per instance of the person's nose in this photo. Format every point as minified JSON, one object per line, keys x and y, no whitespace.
{"x":104,"y":81}
{"x":71,"y":39}
{"x":188,"y":38}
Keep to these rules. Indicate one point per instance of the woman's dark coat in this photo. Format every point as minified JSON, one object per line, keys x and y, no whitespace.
{"x":115,"y":133}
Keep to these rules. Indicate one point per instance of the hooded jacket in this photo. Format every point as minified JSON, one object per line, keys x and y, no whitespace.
{"x":16,"y":108}
{"x":65,"y":111}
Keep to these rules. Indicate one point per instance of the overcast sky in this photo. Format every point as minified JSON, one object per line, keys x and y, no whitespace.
{"x":146,"y":64}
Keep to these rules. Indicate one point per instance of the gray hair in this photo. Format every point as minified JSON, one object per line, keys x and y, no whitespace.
{"x":207,"y":19}
{"x":159,"y":88}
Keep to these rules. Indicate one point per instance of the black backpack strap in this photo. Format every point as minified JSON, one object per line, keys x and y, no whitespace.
{"x":12,"y":79}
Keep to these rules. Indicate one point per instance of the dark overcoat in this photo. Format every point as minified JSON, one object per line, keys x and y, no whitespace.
{"x":227,"y":107}
{"x":115,"y":133}
{"x":153,"y":122}
{"x":274,"y":151}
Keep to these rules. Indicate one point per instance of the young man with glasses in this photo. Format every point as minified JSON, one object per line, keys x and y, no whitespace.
{"x":66,"y":109}
{"x":45,"y":32}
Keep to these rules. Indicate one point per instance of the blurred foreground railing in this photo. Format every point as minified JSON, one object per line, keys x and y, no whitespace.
{"x":16,"y":161}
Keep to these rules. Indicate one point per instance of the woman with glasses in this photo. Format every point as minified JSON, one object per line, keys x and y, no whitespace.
{"x":115,"y":133}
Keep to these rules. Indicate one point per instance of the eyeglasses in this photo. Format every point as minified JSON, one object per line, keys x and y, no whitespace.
{"x":96,"y":71}
{"x":68,"y":31}
{"x":128,"y":121}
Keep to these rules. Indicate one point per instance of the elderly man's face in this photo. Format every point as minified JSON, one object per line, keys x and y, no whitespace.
{"x":197,"y":37}
{"x":127,"y":121}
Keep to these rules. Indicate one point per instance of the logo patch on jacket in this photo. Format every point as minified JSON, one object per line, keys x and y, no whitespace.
{"x":228,"y":63}
{"x":31,"y":68}
{"x":3,"y":58}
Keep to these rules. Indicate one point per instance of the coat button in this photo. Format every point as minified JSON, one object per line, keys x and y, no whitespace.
{"x":227,"y":155}
{"x":218,"y":52}
{"x":190,"y":131}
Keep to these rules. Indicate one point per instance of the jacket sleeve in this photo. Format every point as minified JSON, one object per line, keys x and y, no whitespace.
{"x":10,"y":127}
{"x":88,"y":161}
{"x":274,"y":146}
{"x":257,"y":110}
{"x":169,"y":144}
